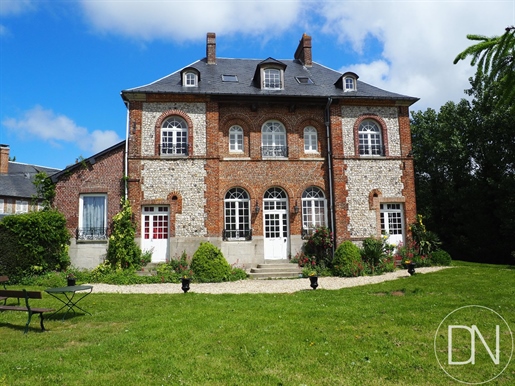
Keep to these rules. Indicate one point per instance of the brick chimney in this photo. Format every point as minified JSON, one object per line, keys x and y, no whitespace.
{"x":211,"y":48}
{"x":303,"y":52}
{"x":4,"y":159}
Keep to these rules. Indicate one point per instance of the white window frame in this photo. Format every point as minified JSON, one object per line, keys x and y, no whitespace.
{"x":314,"y":209}
{"x":190,"y":79}
{"x":22,"y":206}
{"x":349,"y":83}
{"x":237,"y":215}
{"x":273,"y":140}
{"x":310,"y":140}
{"x":2,"y":205}
{"x":236,"y":139}
{"x":92,"y":233}
{"x":370,"y":139}
{"x":174,"y":136}
{"x":272,"y":78}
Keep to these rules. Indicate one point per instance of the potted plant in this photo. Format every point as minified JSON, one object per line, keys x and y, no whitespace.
{"x":70,"y":279}
{"x":313,"y":279}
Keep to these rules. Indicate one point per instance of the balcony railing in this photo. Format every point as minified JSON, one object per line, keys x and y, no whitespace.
{"x":91,"y":233}
{"x":174,"y":149}
{"x":235,"y":235}
{"x":372,"y":150}
{"x":274,"y":151}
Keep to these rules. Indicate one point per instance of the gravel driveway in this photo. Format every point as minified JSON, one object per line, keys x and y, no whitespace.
{"x":258,"y":286}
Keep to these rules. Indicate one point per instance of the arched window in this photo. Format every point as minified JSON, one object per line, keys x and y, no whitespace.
{"x":236,"y":139}
{"x":314,"y":212}
{"x":310,"y":139}
{"x":237,"y":215}
{"x":370,"y":141}
{"x":174,"y":136}
{"x":273,"y":140}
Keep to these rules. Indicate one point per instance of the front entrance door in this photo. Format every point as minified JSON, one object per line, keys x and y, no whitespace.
{"x":155,"y":232}
{"x":392,"y":223}
{"x":275,"y":215}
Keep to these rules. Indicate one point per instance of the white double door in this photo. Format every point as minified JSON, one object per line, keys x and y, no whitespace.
{"x":276,"y":229}
{"x":392,"y":222}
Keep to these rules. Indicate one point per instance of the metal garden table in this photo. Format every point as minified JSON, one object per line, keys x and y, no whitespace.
{"x":67,"y":296}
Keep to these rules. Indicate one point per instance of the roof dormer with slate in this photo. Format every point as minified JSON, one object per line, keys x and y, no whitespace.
{"x":293,"y":78}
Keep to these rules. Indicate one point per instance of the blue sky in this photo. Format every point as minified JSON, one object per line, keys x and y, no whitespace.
{"x":64,"y":63}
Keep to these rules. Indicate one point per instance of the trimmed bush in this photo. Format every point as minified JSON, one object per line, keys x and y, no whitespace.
{"x":440,"y":257}
{"x":209,"y":264}
{"x":33,"y":243}
{"x":347,"y":260}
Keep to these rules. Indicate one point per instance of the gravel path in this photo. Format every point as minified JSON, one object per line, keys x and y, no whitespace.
{"x":257,"y":286}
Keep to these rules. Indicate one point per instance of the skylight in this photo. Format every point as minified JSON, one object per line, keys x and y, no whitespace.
{"x":229,"y":78}
{"x":304,"y":80}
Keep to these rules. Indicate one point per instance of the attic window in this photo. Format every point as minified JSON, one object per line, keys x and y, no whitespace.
{"x":229,"y":78}
{"x":190,"y":78}
{"x":272,"y":79}
{"x":350,"y":84}
{"x":304,"y":80}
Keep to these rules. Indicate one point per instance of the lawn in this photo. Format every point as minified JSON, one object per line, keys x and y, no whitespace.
{"x":381,"y":334}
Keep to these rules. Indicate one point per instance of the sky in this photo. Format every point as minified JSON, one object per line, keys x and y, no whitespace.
{"x":63,"y":63}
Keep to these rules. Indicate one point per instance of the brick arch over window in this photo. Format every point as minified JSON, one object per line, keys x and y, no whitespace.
{"x":226,"y":125}
{"x":159,"y":123}
{"x":382,"y":126}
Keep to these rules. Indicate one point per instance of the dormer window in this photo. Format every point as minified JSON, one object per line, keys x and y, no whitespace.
{"x":348,"y":82}
{"x":269,"y":75}
{"x":272,"y":79}
{"x":190,"y":77}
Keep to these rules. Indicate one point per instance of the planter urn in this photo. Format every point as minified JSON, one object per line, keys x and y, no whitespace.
{"x":70,"y":281}
{"x":313,"y":282}
{"x":185,"y":284}
{"x":411,"y":268}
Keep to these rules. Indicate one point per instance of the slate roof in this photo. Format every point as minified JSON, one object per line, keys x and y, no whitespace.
{"x":18,"y":182}
{"x":211,"y":83}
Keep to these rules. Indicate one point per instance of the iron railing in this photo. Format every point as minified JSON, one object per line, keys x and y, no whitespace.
{"x":228,"y":234}
{"x":91,"y":233}
{"x":174,"y":149}
{"x":274,"y":151}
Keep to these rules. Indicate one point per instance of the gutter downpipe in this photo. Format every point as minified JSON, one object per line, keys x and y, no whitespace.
{"x":330,"y":167}
{"x":126,"y":151}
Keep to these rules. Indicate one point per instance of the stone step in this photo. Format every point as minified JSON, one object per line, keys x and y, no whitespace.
{"x":276,"y":275}
{"x":275,"y":271}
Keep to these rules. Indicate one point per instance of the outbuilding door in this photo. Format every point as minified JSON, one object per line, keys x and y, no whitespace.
{"x":276,"y":230}
{"x":155,"y":232}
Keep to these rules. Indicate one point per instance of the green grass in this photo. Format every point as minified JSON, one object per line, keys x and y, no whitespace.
{"x":378,"y":334}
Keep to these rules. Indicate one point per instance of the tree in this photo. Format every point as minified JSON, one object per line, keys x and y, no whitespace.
{"x":464,"y":174}
{"x":495,"y":59}
{"x":45,"y":189}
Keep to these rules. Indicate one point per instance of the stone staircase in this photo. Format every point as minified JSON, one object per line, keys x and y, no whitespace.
{"x":275,"y":270}
{"x":148,"y":270}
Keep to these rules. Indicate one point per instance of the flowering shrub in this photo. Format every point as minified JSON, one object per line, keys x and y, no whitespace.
{"x":377,"y":254}
{"x":347,"y":260}
{"x":319,"y":245}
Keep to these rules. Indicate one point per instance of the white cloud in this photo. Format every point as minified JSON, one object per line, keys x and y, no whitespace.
{"x":14,"y":7}
{"x":420,"y":41}
{"x":183,"y":20}
{"x":43,"y":124}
